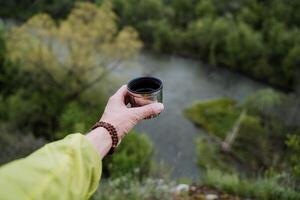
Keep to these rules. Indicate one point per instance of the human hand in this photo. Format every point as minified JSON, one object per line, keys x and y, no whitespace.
{"x":124,"y":118}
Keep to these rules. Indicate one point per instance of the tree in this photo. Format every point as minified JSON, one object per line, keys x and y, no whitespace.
{"x":74,"y":55}
{"x":127,"y":160}
{"x":142,"y":14}
{"x":243,"y":47}
{"x":26,"y":8}
{"x":293,"y":142}
{"x":205,"y":8}
{"x":63,"y":62}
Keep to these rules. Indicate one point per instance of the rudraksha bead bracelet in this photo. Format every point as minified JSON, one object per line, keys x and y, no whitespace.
{"x":112,"y":131}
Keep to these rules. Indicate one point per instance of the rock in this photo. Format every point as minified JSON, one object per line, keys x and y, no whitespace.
{"x":211,"y":197}
{"x":181,"y":188}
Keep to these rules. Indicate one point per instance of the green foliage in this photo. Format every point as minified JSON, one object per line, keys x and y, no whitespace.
{"x":206,"y":37}
{"x":264,"y":101}
{"x":257,"y":38}
{"x":26,"y":8}
{"x":144,"y":15}
{"x":32,"y":112}
{"x":209,"y":155}
{"x":164,"y":38}
{"x":2,"y":43}
{"x":205,"y":8}
{"x":48,"y":66}
{"x":255,"y":134}
{"x":293,"y":142}
{"x":254,"y":37}
{"x":128,"y":187}
{"x":134,"y":156}
{"x":252,"y":145}
{"x":80,"y":55}
{"x":216,"y":116}
{"x":243,"y":47}
{"x":14,"y":146}
{"x":262,"y":188}
{"x":77,"y":117}
{"x":292,"y":62}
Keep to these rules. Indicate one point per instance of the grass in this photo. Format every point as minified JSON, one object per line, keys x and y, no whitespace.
{"x":262,"y":188}
{"x":128,"y":187}
{"x":215,"y":116}
{"x":253,"y":145}
{"x":209,"y":155}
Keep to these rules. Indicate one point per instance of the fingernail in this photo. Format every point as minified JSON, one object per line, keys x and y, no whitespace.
{"x":159,"y":106}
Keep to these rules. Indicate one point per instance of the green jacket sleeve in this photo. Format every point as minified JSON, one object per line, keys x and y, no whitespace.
{"x":67,"y":169}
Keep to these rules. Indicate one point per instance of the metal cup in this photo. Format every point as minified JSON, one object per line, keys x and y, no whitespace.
{"x":145,"y":90}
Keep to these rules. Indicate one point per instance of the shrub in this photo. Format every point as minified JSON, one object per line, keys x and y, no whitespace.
{"x":24,"y":9}
{"x":243,"y":47}
{"x":262,"y":188}
{"x":264,"y":101}
{"x":290,"y":63}
{"x":133,"y":156}
{"x":209,"y":156}
{"x":2,"y":43}
{"x":293,"y":142}
{"x":216,"y":116}
{"x":79,"y":117}
{"x":128,"y":187}
{"x":252,"y":145}
{"x":13,"y":146}
{"x":253,"y":136}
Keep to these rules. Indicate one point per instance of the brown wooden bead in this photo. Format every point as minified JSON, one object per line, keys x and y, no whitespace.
{"x":112,"y":131}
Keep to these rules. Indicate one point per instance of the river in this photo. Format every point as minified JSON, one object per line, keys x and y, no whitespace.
{"x":186,"y":81}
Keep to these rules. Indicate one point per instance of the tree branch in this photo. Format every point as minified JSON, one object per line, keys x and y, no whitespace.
{"x":88,"y":85}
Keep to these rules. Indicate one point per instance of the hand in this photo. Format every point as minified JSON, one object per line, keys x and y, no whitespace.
{"x":124,"y":118}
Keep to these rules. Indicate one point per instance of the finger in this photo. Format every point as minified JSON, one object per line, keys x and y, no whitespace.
{"x":121,"y":93}
{"x":148,"y":110}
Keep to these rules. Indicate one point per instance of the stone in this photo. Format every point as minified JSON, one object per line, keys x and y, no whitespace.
{"x":211,"y":197}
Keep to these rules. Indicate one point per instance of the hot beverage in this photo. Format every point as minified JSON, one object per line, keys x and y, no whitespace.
{"x":144,"y":90}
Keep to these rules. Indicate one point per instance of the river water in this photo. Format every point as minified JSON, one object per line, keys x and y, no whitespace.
{"x":186,"y":81}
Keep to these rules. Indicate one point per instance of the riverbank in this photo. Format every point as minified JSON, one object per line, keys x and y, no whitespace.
{"x":241,"y":139}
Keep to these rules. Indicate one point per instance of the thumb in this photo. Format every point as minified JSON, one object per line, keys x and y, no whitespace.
{"x":148,"y":110}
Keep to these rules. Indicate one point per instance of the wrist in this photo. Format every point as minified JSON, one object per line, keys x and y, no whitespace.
{"x":101,"y":140}
{"x":112,"y":122}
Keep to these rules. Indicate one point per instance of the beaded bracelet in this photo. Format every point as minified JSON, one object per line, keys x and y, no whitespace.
{"x":112,"y":131}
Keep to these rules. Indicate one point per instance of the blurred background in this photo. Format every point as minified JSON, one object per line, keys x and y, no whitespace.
{"x":231,"y":72}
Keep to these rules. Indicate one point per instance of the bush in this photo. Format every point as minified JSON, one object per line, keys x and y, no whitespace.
{"x":49,"y":83}
{"x":14,"y":147}
{"x":133,"y":156}
{"x":206,"y":38}
{"x":243,"y":48}
{"x":216,"y":116}
{"x":26,"y":8}
{"x":290,"y":63}
{"x":2,"y":43}
{"x":78,"y":117}
{"x":31,"y":112}
{"x":209,"y":155}
{"x":251,"y":37}
{"x":262,"y":188}
{"x":250,"y":139}
{"x":252,"y":145}
{"x":128,"y":187}
{"x":264,"y":102}
{"x":293,"y":142}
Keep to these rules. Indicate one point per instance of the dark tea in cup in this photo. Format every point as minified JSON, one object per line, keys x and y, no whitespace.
{"x":145,"y":90}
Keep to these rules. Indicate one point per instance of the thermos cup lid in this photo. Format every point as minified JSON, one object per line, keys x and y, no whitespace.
{"x":148,"y":82}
